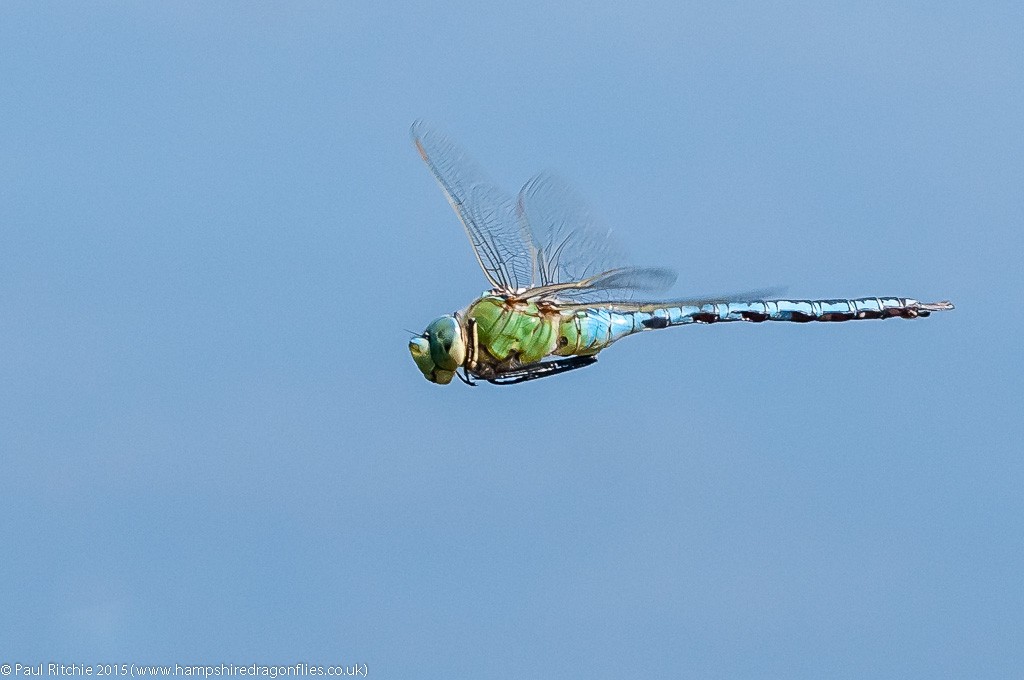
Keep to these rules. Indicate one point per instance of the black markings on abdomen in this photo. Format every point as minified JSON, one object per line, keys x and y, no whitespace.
{"x":655,"y":322}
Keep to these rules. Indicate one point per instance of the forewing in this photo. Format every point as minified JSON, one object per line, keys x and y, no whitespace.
{"x":571,"y":247}
{"x":501,"y":245}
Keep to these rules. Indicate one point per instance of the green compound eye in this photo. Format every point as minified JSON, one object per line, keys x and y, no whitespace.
{"x":440,"y":350}
{"x":446,"y":346}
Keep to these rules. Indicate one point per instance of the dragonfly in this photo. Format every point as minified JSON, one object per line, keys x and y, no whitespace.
{"x":561,"y":289}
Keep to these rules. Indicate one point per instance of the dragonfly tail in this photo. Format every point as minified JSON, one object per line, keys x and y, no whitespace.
{"x":799,"y":311}
{"x":802,"y":311}
{"x":929,"y":307}
{"x":600,"y":327}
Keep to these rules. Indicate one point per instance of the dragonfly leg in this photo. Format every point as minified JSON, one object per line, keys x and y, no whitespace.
{"x":541,"y":369}
{"x":464,"y":377}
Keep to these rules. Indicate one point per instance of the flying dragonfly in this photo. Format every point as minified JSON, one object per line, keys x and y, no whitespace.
{"x":560,"y":289}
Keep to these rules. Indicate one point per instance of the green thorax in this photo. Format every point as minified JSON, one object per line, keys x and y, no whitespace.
{"x":521,"y":330}
{"x":514,"y":329}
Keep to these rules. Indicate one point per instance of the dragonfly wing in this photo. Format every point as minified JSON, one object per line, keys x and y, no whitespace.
{"x":623,"y":305}
{"x":501,"y":245}
{"x":621,"y":281}
{"x":744,"y":296}
{"x":571,"y":246}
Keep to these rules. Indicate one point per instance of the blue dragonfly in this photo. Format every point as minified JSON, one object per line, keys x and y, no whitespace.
{"x":560,"y":288}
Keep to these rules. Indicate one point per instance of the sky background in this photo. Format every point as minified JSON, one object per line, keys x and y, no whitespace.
{"x":215,"y":448}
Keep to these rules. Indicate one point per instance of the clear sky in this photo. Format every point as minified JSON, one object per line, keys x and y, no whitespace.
{"x":214,"y":446}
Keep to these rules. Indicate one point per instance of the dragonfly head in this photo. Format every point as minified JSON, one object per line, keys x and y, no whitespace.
{"x":440,"y":350}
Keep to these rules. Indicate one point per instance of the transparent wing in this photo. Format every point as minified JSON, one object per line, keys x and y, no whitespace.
{"x":622,"y":280}
{"x":573,"y":256}
{"x":651,"y":305}
{"x":502,"y":246}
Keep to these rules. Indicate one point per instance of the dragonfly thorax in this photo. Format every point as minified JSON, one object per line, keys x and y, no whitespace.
{"x":440,"y":350}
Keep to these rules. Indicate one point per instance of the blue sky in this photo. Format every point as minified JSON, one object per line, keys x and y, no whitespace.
{"x":215,"y":447}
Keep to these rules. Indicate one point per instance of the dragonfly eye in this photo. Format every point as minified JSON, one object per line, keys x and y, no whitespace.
{"x":447,"y":346}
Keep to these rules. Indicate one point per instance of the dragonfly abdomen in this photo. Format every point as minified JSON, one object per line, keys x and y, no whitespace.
{"x":799,"y":311}
{"x":591,"y":330}
{"x":588,"y":331}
